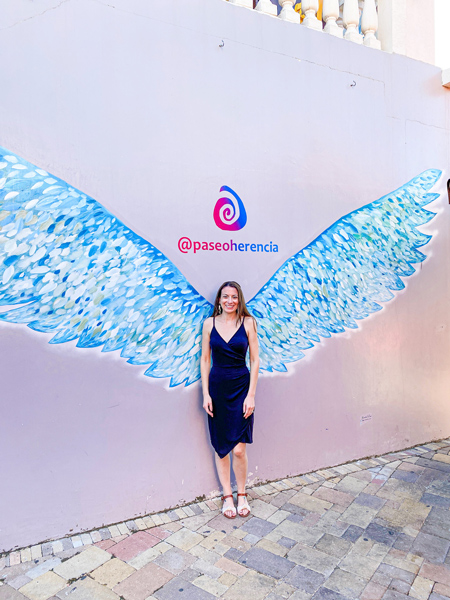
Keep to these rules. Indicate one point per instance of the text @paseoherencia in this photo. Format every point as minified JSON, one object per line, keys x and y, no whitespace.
{"x":185,"y":245}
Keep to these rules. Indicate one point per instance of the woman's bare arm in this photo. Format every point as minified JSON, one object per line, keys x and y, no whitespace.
{"x":205,"y":365}
{"x":250,"y":328}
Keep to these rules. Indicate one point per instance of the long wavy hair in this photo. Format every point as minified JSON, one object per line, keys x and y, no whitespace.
{"x":242,"y":310}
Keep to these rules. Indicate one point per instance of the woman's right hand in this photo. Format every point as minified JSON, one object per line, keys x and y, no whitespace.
{"x":208,"y":405}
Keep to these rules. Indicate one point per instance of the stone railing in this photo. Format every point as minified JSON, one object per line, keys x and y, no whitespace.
{"x":342,"y":18}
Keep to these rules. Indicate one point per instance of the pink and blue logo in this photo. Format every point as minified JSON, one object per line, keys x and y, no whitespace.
{"x":229,"y":211}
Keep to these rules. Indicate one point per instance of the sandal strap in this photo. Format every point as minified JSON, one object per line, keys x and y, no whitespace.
{"x":225,"y":497}
{"x":242,"y":494}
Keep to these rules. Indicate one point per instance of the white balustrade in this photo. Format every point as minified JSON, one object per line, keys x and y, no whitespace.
{"x":310,"y":8}
{"x":330,"y":16}
{"x":335,"y":13}
{"x":351,"y":21}
{"x":369,"y":24}
{"x":287,"y":11}
{"x":246,"y":3}
{"x":266,"y":6}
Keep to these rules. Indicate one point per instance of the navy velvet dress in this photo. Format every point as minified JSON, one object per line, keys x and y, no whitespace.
{"x":229,"y":380}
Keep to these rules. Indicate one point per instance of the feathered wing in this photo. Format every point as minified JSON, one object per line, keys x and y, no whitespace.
{"x":342,"y":275}
{"x":78,"y":272}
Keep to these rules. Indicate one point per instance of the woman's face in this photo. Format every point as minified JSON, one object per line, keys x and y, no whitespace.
{"x":229,"y":300}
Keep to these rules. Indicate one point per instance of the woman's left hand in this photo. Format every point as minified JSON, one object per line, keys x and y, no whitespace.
{"x":249,"y":406}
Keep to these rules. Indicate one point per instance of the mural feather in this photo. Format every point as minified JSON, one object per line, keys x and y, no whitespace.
{"x":78,"y":272}
{"x":343,"y":275}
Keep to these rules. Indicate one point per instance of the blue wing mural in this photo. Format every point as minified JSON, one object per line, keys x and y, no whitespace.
{"x":72,"y":269}
{"x":343,"y":274}
{"x":80,"y":273}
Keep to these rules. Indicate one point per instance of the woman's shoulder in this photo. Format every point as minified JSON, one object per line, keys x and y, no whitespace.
{"x":208,"y":323}
{"x":249,"y":322}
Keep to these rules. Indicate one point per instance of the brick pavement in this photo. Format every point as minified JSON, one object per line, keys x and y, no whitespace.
{"x":376,"y":529}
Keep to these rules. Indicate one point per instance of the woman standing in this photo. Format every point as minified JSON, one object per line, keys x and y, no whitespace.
{"x":229,"y":389}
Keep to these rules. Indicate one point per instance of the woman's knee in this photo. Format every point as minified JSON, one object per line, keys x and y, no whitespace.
{"x":239,"y":451}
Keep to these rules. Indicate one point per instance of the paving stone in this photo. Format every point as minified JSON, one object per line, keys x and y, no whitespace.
{"x":43,"y":587}
{"x":397,"y":585}
{"x":112,"y":572}
{"x":133,"y":545}
{"x":287,"y":542}
{"x":182,"y":590}
{"x":432,"y":464}
{"x":434,"y":549}
{"x":392,"y":595}
{"x":358,"y":515}
{"x":381,"y":534}
{"x":297,"y":532}
{"x":190,"y":574}
{"x":325,"y":594}
{"x":313,"y":559}
{"x":225,"y":564}
{"x":434,"y":500}
{"x":212,"y":586}
{"x":206,"y":568}
{"x":43,"y":567}
{"x":19,"y":582}
{"x":185,"y":539}
{"x":87,"y":589}
{"x":310,"y":503}
{"x":296,"y":510}
{"x":197,"y":521}
{"x":252,"y":586}
{"x":373,"y":591}
{"x":409,"y":476}
{"x":221,"y":523}
{"x":296,"y":518}
{"x":439,"y":573}
{"x":351,"y":485}
{"x":175,"y":560}
{"x":305,"y":579}
{"x":434,"y":596}
{"x":364,"y":566}
{"x":9,"y":593}
{"x":143,"y":583}
{"x":370,"y":500}
{"x":278,"y":517}
{"x":84,"y":562}
{"x":352,"y":533}
{"x":258,"y":527}
{"x":440,"y":488}
{"x":266,"y":562}
{"x":263,"y":510}
{"x":440,"y":588}
{"x":335,"y":546}
{"x":396,"y":573}
{"x":346,"y":583}
{"x":403,"y":542}
{"x":438,"y":523}
{"x":233,"y":554}
{"x":334,"y":496}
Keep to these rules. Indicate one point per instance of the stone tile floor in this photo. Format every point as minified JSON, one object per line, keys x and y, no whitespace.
{"x":375,"y":529}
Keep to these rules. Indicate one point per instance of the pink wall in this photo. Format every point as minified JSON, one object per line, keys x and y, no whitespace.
{"x":140,"y":108}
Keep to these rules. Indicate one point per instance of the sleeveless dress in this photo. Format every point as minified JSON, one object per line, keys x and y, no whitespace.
{"x":229,"y":380}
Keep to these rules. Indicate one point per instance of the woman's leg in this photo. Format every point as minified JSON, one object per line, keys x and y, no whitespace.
{"x":240,"y":466}
{"x":223,"y":470}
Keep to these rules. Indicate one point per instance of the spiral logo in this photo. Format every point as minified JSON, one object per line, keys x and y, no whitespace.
{"x":229,"y":212}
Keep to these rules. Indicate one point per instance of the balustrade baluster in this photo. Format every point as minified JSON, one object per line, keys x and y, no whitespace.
{"x":369,"y":24}
{"x":310,"y":8}
{"x":287,"y":11}
{"x":330,"y":16}
{"x":246,"y":3}
{"x":351,"y":21}
{"x":266,"y":6}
